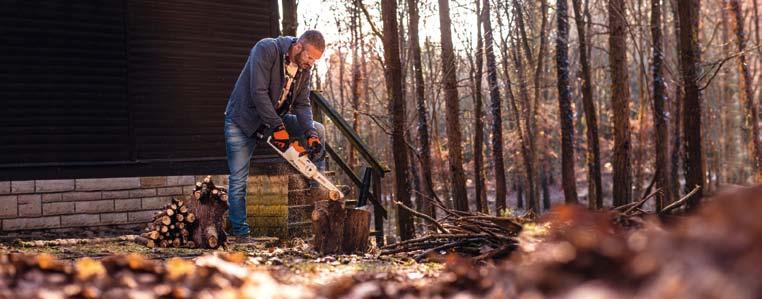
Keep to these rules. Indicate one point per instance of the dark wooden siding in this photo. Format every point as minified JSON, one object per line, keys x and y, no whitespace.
{"x":87,"y":85}
{"x":63,"y":82}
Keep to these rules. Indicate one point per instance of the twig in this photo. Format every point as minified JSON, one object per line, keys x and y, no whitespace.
{"x":642,"y":201}
{"x":370,"y":20}
{"x":680,"y":202}
{"x":424,"y":216}
{"x":426,"y":253}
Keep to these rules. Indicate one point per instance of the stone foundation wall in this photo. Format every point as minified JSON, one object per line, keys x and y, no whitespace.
{"x":44,"y":204}
{"x":277,"y":204}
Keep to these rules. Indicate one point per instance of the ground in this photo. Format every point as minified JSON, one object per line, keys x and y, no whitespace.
{"x":712,"y":252}
{"x":291,"y":262}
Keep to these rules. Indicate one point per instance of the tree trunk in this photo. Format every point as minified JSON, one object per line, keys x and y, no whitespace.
{"x":677,"y":126}
{"x":729,"y":172}
{"x":480,"y":189}
{"x":452,"y":115}
{"x":356,"y":80}
{"x":544,"y":185}
{"x":523,"y":132}
{"x":533,"y":195}
{"x":595,"y":189}
{"x":497,"y":124}
{"x":564,"y":104}
{"x":530,"y":106}
{"x":690,"y":59}
{"x":661,"y":136}
{"x":751,"y":118}
{"x":393,"y":76}
{"x":423,"y":126}
{"x":290,"y":21}
{"x":620,"y":99}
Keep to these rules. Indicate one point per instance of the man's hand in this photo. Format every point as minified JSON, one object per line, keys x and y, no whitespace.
{"x":280,"y":138}
{"x":314,"y":147}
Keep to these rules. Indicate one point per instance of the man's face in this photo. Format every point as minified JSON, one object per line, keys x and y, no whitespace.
{"x":307,"y":56}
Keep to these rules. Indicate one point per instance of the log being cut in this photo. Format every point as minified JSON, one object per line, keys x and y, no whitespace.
{"x":195,"y":222}
{"x":301,"y":162}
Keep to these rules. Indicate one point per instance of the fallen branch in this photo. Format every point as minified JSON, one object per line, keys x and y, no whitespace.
{"x":424,"y":216}
{"x":680,"y":202}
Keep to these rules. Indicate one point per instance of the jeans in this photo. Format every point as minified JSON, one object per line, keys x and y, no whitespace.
{"x":239,"y":148}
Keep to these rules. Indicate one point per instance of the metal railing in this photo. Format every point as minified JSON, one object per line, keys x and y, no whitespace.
{"x":370,"y":183}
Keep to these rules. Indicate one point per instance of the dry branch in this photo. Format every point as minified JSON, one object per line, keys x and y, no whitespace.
{"x":462,"y":232}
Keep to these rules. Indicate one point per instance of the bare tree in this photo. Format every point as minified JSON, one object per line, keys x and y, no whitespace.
{"x":423,"y":126}
{"x":459,"y":194}
{"x":620,"y":99}
{"x":564,"y":103}
{"x":477,"y":70}
{"x":290,"y":21}
{"x":690,"y":58}
{"x":393,"y":75}
{"x":751,"y":118}
{"x":497,"y":124}
{"x":356,"y":78}
{"x":595,"y":189}
{"x":661,"y":136}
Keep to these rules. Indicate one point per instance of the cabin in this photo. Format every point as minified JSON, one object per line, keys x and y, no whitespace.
{"x":112,"y":108}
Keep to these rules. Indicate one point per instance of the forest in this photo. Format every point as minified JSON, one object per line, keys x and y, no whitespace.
{"x":516,"y":106}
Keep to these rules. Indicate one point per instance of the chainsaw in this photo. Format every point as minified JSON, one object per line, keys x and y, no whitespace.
{"x":299,"y":160}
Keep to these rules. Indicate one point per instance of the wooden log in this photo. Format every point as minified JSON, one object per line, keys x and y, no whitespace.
{"x":328,"y":226}
{"x":164,"y":229}
{"x":356,"y":231}
{"x":170,"y":212}
{"x":153,"y":235}
{"x":211,"y":237}
{"x":146,"y":242}
{"x":190,"y":218}
{"x":179,"y":217}
{"x":166,"y":220}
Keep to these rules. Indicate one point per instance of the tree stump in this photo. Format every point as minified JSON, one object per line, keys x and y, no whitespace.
{"x":208,"y":204}
{"x":328,"y":225}
{"x":338,"y":229}
{"x":356,"y":231}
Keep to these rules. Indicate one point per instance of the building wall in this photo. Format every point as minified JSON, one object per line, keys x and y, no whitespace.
{"x":122,"y":88}
{"x":277,"y":204}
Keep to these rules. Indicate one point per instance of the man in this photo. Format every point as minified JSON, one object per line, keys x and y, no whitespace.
{"x":270,"y":99}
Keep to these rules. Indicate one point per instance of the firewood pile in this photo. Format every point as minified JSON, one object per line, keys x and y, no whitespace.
{"x":197,"y":222}
{"x":472,"y":233}
{"x":133,"y":276}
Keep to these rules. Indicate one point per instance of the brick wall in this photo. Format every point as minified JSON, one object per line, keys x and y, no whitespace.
{"x":43,"y":204}
{"x":277,"y":204}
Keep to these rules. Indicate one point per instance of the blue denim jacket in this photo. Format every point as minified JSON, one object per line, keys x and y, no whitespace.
{"x":259,"y":86}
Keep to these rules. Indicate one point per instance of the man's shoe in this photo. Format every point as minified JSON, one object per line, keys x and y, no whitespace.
{"x":243,"y":239}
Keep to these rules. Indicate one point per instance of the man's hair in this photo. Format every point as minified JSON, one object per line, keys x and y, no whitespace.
{"x":314,"y":38}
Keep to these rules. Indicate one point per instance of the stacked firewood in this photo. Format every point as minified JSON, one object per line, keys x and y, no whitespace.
{"x":471,"y":233}
{"x":196,"y":222}
{"x":171,"y":227}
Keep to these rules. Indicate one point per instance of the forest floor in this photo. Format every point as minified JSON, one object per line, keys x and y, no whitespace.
{"x":714,"y":252}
